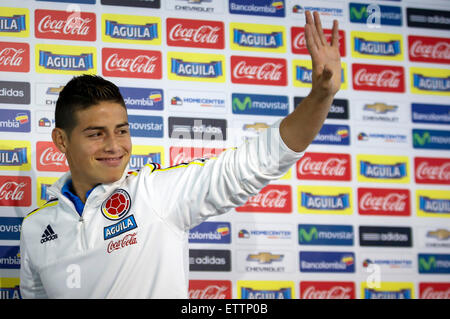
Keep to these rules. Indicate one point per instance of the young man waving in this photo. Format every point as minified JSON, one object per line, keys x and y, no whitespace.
{"x":110,"y":233}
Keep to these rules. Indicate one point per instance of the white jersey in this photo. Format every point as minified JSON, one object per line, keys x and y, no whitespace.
{"x":131,"y":240}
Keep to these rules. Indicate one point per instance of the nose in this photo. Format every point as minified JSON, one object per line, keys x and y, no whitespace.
{"x":111,"y":144}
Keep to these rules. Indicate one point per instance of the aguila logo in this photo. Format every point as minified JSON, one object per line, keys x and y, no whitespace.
{"x":117,"y":205}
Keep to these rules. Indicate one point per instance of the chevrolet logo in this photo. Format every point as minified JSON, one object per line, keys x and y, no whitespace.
{"x":55,"y":90}
{"x":380,"y":108}
{"x":264,"y":258}
{"x":441,"y":234}
{"x":257,"y":126}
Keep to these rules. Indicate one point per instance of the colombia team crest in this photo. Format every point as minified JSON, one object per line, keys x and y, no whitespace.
{"x":117,"y":205}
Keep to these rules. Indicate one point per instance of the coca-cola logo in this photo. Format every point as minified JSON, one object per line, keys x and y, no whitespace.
{"x":378,"y":78}
{"x":324,"y":166}
{"x":434,"y":290}
{"x":15,"y":191}
{"x":432,"y":170}
{"x":49,"y":158}
{"x":195,"y":33}
{"x":264,"y":71}
{"x":272,"y":198}
{"x":52,"y":24}
{"x":14,"y":57}
{"x":388,"y":202}
{"x":132,"y":63}
{"x":127,"y":240}
{"x":327,"y":290}
{"x":429,"y":49}
{"x":209,"y":289}
{"x":180,"y":155}
{"x":298,"y":40}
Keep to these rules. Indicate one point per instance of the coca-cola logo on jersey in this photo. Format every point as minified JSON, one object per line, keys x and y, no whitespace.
{"x":132,"y":63}
{"x":327,"y":290}
{"x":64,"y":25}
{"x":324,"y":166}
{"x":260,"y":71}
{"x":432,"y":170}
{"x":383,"y":78}
{"x":14,"y":57}
{"x":210,"y":289}
{"x":384,"y":202}
{"x":195,"y":33}
{"x":298,"y":40}
{"x":429,"y":49}
{"x":15,"y":191}
{"x":271,"y":199}
{"x":49,"y":158}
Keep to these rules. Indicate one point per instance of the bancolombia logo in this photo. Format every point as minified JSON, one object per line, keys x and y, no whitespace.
{"x":209,"y":260}
{"x":385,"y":236}
{"x":211,"y":233}
{"x":142,"y":98}
{"x":325,"y":262}
{"x":333,"y":135}
{"x":330,"y":235}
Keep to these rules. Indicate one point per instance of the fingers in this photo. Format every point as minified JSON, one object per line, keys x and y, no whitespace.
{"x":310,"y":42}
{"x":310,"y":28}
{"x":319,"y":29}
{"x":335,"y":34}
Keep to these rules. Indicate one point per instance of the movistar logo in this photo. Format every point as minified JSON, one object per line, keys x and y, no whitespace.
{"x":427,"y":264}
{"x":242,"y":106}
{"x":308,"y":236}
{"x":358,"y":14}
{"x":421,"y":139}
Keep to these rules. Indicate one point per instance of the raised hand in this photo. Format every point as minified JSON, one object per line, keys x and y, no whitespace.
{"x":326,"y":60}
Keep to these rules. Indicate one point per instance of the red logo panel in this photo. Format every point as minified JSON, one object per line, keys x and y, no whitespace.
{"x":271,"y":199}
{"x":210,"y":289}
{"x":130,"y":63}
{"x":384,"y":202}
{"x":434,"y":290}
{"x":180,"y":155}
{"x":428,"y":49}
{"x":327,"y":290}
{"x":15,"y":191}
{"x":195,"y":33}
{"x":14,"y":57}
{"x":432,"y":170}
{"x":383,"y":78}
{"x":63,"y":25}
{"x":298,"y":40}
{"x":49,"y":158}
{"x":259,"y":71}
{"x":324,"y":166}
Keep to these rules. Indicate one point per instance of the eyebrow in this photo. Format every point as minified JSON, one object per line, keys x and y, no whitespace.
{"x":92,"y":128}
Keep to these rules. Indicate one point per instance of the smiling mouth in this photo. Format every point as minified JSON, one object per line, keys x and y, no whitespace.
{"x":111,"y":161}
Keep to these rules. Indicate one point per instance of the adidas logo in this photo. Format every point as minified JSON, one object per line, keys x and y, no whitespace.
{"x":48,"y":234}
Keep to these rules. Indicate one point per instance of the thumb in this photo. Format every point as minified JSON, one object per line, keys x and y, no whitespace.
{"x":327,"y":73}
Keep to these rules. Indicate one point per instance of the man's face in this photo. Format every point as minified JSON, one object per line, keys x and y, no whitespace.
{"x":99,"y":147}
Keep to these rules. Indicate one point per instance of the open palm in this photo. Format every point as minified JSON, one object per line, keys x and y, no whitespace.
{"x":326,"y":60}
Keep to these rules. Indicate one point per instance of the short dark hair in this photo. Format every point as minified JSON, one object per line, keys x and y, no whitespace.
{"x":80,"y":93}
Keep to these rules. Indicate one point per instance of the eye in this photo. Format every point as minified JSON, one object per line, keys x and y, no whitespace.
{"x":95,"y":134}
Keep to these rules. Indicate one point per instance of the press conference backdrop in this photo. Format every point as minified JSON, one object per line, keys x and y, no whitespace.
{"x":364,"y":214}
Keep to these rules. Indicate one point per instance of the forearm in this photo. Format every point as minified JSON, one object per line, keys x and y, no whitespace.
{"x":300,"y":127}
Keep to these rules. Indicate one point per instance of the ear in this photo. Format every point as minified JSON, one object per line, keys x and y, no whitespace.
{"x":60,"y":139}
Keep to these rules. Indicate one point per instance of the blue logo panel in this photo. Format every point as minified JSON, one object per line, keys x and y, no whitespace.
{"x":9,"y":257}
{"x":143,"y":98}
{"x":15,"y":120}
{"x":211,"y":233}
{"x":431,"y":139}
{"x":430,"y":113}
{"x":434,"y":264}
{"x":333,"y":135}
{"x":146,"y":126}
{"x":10,"y":228}
{"x":330,"y":235}
{"x":389,"y":15}
{"x":266,"y":8}
{"x":258,"y":104}
{"x":335,"y":262}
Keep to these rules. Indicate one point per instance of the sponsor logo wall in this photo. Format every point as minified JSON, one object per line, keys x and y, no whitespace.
{"x":364,"y":214}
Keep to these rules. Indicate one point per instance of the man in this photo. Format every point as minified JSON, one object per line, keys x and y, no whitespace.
{"x":110,"y":233}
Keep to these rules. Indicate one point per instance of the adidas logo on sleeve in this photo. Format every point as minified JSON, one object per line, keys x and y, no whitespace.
{"x":48,"y":234}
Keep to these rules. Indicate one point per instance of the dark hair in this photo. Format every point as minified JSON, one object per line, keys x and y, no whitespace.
{"x":80,"y":93}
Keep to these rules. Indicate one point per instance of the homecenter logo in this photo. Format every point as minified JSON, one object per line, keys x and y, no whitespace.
{"x":434,"y":264}
{"x":431,"y":139}
{"x":328,"y":235}
{"x":211,"y":233}
{"x":257,"y":104}
{"x":389,"y":15}
{"x":327,"y":262}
